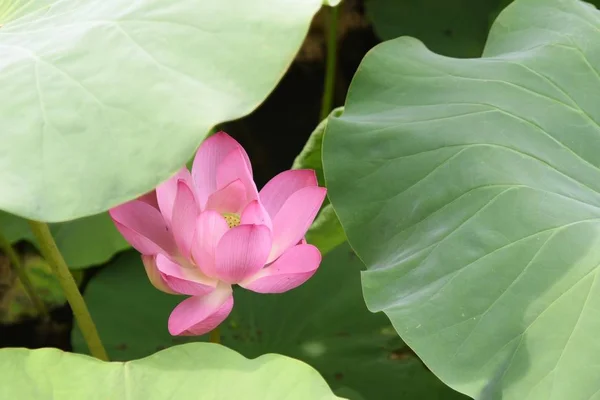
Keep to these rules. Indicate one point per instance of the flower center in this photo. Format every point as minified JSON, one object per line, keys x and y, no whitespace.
{"x":233,"y":220}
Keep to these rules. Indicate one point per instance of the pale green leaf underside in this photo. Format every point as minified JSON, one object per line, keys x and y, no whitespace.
{"x":101,"y":102}
{"x":191,"y":371}
{"x":471,"y":189}
{"x":13,"y":9}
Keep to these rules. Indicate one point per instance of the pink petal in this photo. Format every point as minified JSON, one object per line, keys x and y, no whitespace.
{"x":294,"y":218}
{"x":150,"y":198}
{"x":232,"y":168}
{"x":166,"y":192}
{"x":283,"y":185}
{"x":137,"y":241}
{"x":154,"y":274}
{"x":143,"y":227}
{"x":229,"y":199}
{"x":210,"y":227}
{"x":201,"y":314}
{"x":208,"y":158}
{"x":184,"y":280}
{"x":255,"y":214}
{"x":241,"y":252}
{"x":185,"y":213}
{"x":291,"y":270}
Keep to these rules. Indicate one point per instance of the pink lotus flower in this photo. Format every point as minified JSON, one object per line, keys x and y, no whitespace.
{"x":201,"y":232}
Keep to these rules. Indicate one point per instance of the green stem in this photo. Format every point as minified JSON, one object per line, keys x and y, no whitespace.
{"x":56,"y":261}
{"x":215,"y":336}
{"x":15,"y":260}
{"x":327,"y":101}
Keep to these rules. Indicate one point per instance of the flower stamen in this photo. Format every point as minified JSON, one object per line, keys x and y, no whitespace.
{"x":232,"y":220}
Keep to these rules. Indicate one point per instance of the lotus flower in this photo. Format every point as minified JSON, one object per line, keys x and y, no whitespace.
{"x":199,"y":233}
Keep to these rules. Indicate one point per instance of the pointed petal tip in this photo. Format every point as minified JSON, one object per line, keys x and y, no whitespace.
{"x":293,"y":268}
{"x":167,"y":191}
{"x":223,"y":133}
{"x":236,"y":166}
{"x":229,"y":199}
{"x":210,"y":155}
{"x":256,"y":214}
{"x":309,"y":175}
{"x":184,"y":214}
{"x":283,"y":185}
{"x":294,"y":218}
{"x":143,"y":227}
{"x":221,"y":139}
{"x":150,"y":198}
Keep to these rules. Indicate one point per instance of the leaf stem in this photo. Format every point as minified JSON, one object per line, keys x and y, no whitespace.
{"x":215,"y":336}
{"x":56,"y":261}
{"x":15,"y":260}
{"x":327,"y":100}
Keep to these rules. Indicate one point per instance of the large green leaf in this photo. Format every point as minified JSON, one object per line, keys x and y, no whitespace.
{"x":191,"y":371}
{"x":455,"y":28}
{"x":83,"y":242}
{"x":326,"y":232}
{"x":310,"y":156}
{"x":324,"y":323}
{"x":100,"y":103}
{"x":471,"y":190}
